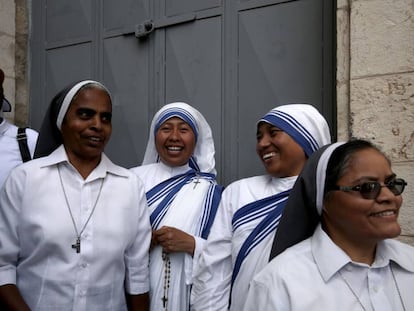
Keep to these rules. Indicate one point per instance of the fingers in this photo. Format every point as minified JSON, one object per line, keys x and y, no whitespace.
{"x":173,"y":240}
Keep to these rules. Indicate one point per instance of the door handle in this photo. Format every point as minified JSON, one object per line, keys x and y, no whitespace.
{"x":147,"y":27}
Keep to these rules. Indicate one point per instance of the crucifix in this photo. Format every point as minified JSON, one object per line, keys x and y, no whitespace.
{"x":196,"y":182}
{"x":164,"y":301}
{"x":77,"y":245}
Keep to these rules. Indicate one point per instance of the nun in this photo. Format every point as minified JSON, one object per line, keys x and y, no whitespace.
{"x":74,"y":227}
{"x":344,"y":257}
{"x":241,"y":236}
{"x":179,"y":175}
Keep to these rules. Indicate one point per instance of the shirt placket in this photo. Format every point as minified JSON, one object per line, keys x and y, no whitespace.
{"x":83,"y":264}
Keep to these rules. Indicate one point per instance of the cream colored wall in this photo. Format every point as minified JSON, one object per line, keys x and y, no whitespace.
{"x":14,"y":56}
{"x":375,"y":84}
{"x":7,"y":48}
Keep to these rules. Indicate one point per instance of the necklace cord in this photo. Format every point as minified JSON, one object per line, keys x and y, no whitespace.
{"x":78,"y":234}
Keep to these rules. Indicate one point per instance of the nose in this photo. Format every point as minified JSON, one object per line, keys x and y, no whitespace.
{"x":263,"y":141}
{"x":96,"y":123}
{"x":385,"y":194}
{"x":174,"y":134}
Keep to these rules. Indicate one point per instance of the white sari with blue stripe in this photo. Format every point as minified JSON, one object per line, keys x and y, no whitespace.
{"x":181,"y":198}
{"x":240,"y":240}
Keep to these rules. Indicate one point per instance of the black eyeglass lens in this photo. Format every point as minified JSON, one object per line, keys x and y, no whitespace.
{"x":396,"y":186}
{"x":370,"y":190}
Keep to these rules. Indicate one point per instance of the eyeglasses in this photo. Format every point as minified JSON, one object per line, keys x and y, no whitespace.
{"x":371,"y":189}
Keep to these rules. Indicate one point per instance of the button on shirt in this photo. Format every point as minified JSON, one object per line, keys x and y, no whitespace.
{"x":37,"y":233}
{"x":317,"y":275}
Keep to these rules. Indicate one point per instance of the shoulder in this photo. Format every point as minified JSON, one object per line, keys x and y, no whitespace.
{"x":144,"y":169}
{"x":400,"y":252}
{"x":255,"y":181}
{"x":294,"y":262}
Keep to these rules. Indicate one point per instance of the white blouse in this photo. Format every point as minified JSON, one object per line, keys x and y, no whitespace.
{"x":37,"y":233}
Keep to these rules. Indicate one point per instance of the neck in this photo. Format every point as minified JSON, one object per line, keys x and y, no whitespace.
{"x":357,"y":249}
{"x":84,"y":166}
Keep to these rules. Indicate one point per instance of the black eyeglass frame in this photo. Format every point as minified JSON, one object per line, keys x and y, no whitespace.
{"x":370,"y":190}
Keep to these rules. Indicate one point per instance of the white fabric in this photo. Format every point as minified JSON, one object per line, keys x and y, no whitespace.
{"x":321,"y":174}
{"x":211,"y":286}
{"x":204,"y":150}
{"x":306,"y":277}
{"x":36,"y":234}
{"x":303,"y":123}
{"x":185,"y":214}
{"x":10,"y":156}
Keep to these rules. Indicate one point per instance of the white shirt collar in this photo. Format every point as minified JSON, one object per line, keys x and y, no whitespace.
{"x":104,"y":167}
{"x":330,"y":258}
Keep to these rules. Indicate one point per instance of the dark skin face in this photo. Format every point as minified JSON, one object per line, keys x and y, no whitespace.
{"x":281,"y":155}
{"x":357,"y":224}
{"x":175,"y":142}
{"x":86,"y":128}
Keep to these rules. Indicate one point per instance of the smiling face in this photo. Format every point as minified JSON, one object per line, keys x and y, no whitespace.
{"x":87,"y":126}
{"x":348,"y":218}
{"x":175,"y":142}
{"x":280,"y":154}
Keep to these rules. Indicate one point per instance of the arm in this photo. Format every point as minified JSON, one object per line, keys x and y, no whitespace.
{"x":10,"y":202}
{"x":138,"y":302}
{"x":10,"y":299}
{"x":212,"y":275}
{"x":137,"y":254}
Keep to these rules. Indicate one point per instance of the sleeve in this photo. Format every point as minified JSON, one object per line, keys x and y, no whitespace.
{"x":195,"y":259}
{"x":137,"y":256}
{"x":212,"y":276}
{"x":10,"y":205}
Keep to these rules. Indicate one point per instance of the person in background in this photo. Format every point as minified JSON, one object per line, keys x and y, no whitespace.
{"x":15,"y":148}
{"x":350,"y":261}
{"x":74,"y":227}
{"x":241,"y":236}
{"x":179,"y":174}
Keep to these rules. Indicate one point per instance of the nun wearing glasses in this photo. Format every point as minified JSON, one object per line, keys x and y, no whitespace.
{"x":351,"y":199}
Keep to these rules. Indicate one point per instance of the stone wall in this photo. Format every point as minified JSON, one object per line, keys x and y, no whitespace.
{"x":375,"y":84}
{"x":7,"y":54}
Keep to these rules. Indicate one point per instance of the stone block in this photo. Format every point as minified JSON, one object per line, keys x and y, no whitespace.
{"x":382,"y":110}
{"x":342,"y":110}
{"x":381,"y":37}
{"x":7,"y":17}
{"x":406,"y":218}
{"x":342,"y":41}
{"x":7,"y":48}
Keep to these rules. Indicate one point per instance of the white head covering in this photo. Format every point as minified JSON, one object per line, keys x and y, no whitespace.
{"x":303,"y":123}
{"x":203,"y":156}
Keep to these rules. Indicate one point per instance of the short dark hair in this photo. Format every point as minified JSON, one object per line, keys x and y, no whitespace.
{"x":341,"y":158}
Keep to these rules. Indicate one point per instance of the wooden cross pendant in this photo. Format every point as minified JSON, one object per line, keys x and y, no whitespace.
{"x":77,"y":245}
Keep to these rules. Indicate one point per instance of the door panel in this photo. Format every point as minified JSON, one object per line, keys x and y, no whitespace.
{"x":193,"y":70}
{"x":280,"y":61}
{"x":232,"y":60}
{"x":125,"y":72}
